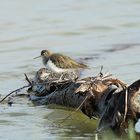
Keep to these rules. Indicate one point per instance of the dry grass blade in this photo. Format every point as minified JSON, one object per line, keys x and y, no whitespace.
{"x":73,"y":111}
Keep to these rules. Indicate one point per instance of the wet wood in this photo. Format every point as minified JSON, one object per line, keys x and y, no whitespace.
{"x":112,"y":100}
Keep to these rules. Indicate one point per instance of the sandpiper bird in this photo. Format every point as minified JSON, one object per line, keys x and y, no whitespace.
{"x":59,"y":63}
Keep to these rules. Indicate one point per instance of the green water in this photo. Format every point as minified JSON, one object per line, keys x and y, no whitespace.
{"x":106,"y":31}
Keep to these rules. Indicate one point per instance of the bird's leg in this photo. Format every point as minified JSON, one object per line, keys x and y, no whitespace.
{"x":73,"y":75}
{"x":61,"y":78}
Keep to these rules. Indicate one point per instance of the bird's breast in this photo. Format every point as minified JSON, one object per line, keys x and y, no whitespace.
{"x":52,"y":67}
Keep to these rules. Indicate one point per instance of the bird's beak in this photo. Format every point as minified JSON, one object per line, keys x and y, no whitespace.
{"x":37,"y":57}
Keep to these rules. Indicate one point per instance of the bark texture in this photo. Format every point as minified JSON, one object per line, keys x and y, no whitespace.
{"x":109,"y":98}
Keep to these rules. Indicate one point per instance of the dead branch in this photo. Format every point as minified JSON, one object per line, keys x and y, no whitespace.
{"x":14,"y":91}
{"x":112,"y":100}
{"x":19,"y":89}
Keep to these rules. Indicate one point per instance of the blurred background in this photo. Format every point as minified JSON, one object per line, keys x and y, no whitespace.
{"x":103,"y":32}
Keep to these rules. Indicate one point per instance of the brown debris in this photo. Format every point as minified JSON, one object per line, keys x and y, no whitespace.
{"x":112,"y":100}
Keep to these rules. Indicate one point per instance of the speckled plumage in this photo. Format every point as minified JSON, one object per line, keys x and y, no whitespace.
{"x":60,"y":63}
{"x":65,"y":62}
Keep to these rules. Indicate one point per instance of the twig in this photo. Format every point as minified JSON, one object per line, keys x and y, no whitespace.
{"x":126,"y":108}
{"x":27,"y":79}
{"x":106,"y":76}
{"x":14,"y":92}
{"x":70,"y":114}
{"x":30,"y":84}
{"x":101,"y":73}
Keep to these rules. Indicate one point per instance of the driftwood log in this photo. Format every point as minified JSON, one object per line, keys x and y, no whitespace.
{"x":103,"y":96}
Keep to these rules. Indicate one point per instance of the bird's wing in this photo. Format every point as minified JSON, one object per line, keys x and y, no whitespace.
{"x":66,"y":62}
